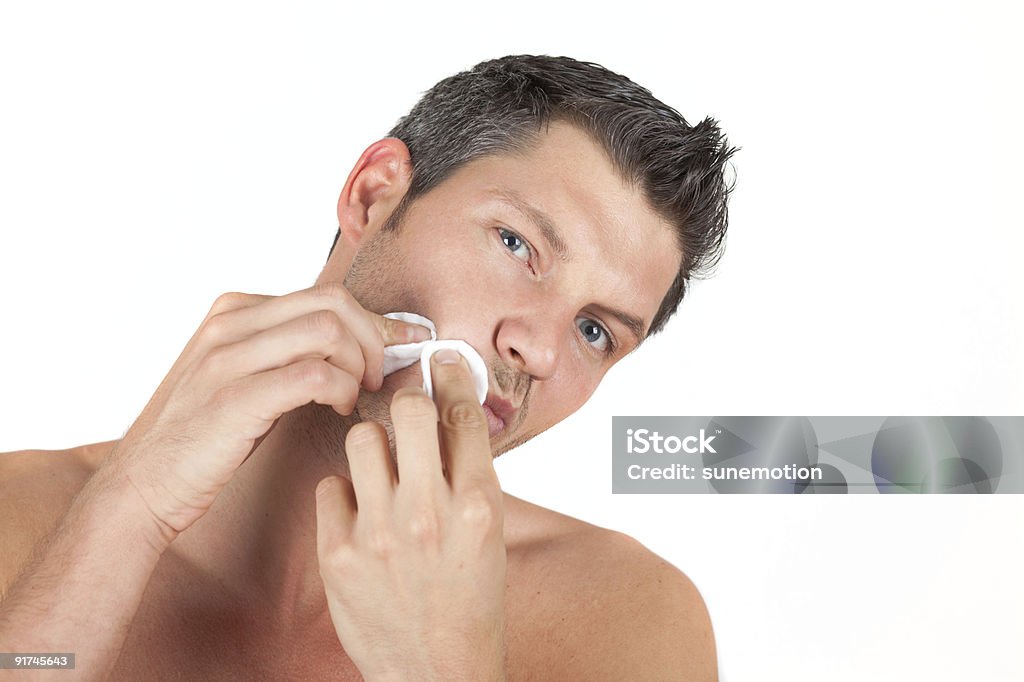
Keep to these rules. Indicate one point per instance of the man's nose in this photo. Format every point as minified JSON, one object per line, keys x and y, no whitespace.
{"x":531,"y":347}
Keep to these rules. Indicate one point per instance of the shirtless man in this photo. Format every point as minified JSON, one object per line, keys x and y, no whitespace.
{"x":281,"y":510}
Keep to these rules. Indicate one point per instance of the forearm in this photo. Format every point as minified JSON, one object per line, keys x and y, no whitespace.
{"x":451,"y":653}
{"x":81,"y":592}
{"x":489,"y":670}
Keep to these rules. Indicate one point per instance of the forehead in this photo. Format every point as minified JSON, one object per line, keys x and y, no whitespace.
{"x":618,"y":245}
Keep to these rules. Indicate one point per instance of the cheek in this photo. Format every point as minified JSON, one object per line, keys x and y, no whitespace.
{"x":554,"y":400}
{"x":464,"y":289}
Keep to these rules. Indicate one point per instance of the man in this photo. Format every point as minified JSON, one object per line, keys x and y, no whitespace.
{"x":282,"y":510}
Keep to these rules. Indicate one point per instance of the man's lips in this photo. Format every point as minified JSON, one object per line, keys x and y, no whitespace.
{"x":494,"y":423}
{"x":500,"y":413}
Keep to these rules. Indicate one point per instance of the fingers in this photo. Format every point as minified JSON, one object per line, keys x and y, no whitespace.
{"x":235,"y":300}
{"x":320,"y":334}
{"x":226,"y":303}
{"x":335,"y":512}
{"x":236,"y":317}
{"x":369,"y":463}
{"x":245,"y":321}
{"x":241,"y":323}
{"x":398,"y":331}
{"x":265,"y":396}
{"x":410,"y":495}
{"x":463,"y":428}
{"x":414,"y":419}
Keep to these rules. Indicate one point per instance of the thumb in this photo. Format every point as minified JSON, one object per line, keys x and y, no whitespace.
{"x":398,"y":331}
{"x":335,"y":512}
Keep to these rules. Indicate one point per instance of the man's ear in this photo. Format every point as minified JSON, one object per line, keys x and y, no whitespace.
{"x":374,"y":188}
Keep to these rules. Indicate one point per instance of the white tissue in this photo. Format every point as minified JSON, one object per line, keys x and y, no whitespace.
{"x":473,"y":359}
{"x":402,"y":355}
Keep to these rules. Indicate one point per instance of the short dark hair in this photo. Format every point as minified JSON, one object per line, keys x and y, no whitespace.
{"x":501,"y":105}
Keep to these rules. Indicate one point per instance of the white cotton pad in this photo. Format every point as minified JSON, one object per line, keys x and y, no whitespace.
{"x":473,"y":359}
{"x":402,"y":355}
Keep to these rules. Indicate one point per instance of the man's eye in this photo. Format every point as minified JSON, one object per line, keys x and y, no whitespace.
{"x":595,"y":334}
{"x":514,"y":243}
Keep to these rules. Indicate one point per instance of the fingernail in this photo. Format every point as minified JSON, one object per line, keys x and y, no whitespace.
{"x":446,"y":356}
{"x":416,"y":333}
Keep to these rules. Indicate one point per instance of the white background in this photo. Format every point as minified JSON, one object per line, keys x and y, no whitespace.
{"x":153,"y":156}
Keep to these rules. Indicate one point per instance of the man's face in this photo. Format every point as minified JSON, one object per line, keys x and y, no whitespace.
{"x":541,"y":261}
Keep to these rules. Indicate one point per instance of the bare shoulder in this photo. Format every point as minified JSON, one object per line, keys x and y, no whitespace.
{"x":608,"y":607}
{"x":36,"y":489}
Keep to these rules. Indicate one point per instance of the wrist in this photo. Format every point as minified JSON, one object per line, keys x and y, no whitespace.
{"x":116,"y":500}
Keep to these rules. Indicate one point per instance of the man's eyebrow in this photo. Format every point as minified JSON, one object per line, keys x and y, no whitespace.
{"x":539,"y":218}
{"x":633,"y":323}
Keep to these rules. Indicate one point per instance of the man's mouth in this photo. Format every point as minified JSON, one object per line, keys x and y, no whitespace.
{"x":500,"y":413}
{"x":495,"y":424}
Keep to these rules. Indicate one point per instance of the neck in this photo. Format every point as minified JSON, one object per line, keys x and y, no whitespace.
{"x":258,"y":541}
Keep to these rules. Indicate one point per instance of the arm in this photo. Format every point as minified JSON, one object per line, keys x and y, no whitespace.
{"x":253,"y":359}
{"x":82,"y":590}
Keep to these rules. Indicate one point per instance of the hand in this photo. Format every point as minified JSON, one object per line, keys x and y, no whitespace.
{"x":413,"y":561}
{"x":252,"y":359}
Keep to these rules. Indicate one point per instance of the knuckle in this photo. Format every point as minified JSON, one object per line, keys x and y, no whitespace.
{"x":392,"y":329}
{"x":312,"y":372}
{"x":380,"y":541}
{"x":331,"y":291}
{"x":340,"y":558}
{"x":425,"y":527}
{"x":464,"y":415}
{"x":214,"y":362}
{"x":215,"y":327}
{"x":347,"y":404}
{"x":413,"y":404}
{"x":224,"y":397}
{"x":478,"y":509}
{"x":226,"y":302}
{"x":327,"y":324}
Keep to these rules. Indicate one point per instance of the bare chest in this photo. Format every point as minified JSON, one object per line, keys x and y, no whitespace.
{"x":158,"y":649}
{"x":186,"y":630}
{"x":158,"y":655}
{"x":172,"y":639}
